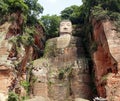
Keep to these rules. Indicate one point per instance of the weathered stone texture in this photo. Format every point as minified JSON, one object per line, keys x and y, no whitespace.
{"x":15,"y":58}
{"x":7,"y":74}
{"x":107,"y":60}
{"x":6,"y":77}
{"x":6,"y":70}
{"x":67,"y":71}
{"x":3,"y":97}
{"x":113,"y":82}
{"x":63,"y":41}
{"x":39,"y":73}
{"x":113,"y":39}
{"x":38,"y":98}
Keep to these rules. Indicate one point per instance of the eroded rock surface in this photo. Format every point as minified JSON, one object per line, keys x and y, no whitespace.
{"x":7,"y":74}
{"x":39,"y":72}
{"x":67,"y":70}
{"x":107,"y":60}
{"x":38,"y":98}
{"x":15,"y":56}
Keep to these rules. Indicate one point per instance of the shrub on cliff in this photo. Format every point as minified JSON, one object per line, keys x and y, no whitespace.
{"x":13,"y":97}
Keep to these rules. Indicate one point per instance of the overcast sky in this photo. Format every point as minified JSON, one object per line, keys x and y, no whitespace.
{"x":56,"y":6}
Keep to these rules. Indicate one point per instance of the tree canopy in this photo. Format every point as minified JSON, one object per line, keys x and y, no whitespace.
{"x":24,"y":15}
{"x":29,"y":8}
{"x":99,"y":9}
{"x":51,"y":24}
{"x":72,"y":13}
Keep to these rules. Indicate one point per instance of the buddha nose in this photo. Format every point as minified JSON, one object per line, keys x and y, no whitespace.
{"x":65,"y":28}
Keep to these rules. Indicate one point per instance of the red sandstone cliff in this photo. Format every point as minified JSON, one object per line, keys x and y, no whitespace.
{"x":13,"y":61}
{"x":107,"y":59}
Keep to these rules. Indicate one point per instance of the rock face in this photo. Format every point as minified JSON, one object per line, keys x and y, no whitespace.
{"x":13,"y":59}
{"x":64,"y":67}
{"x":38,"y":98}
{"x":107,"y":60}
{"x":3,"y":97}
{"x":67,"y":71}
{"x":5,"y":46}
{"x":39,"y":72}
{"x":6,"y":68}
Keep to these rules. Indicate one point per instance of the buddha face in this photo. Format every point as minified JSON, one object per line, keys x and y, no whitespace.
{"x":65,"y":27}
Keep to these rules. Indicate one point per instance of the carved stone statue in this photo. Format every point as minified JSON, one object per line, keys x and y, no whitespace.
{"x":65,"y":27}
{"x":65,"y":34}
{"x":67,"y":70}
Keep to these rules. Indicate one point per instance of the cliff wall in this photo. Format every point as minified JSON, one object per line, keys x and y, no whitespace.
{"x":15,"y":56}
{"x":107,"y":59}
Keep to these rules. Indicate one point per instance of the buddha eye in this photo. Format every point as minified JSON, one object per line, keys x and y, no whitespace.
{"x":68,"y":24}
{"x":62,"y":24}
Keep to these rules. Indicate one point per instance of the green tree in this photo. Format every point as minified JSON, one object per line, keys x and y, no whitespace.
{"x":34,"y":10}
{"x":51,"y":24}
{"x":74,"y":13}
{"x":29,"y":8}
{"x":34,"y":7}
{"x":77,"y":17}
{"x":67,"y":12}
{"x":23,"y":15}
{"x":7,"y":7}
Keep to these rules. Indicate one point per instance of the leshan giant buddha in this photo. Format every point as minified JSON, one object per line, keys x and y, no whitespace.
{"x":67,"y":68}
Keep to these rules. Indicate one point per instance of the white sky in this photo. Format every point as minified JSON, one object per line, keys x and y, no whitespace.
{"x":56,"y":6}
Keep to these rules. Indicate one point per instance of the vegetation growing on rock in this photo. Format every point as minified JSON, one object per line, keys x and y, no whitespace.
{"x":27,"y":31}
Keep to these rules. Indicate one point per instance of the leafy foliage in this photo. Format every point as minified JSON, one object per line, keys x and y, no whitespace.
{"x":77,"y":17}
{"x":73,"y":13}
{"x":30,"y":9}
{"x":65,"y":14}
{"x":99,"y":14}
{"x":10,"y":6}
{"x":99,"y":9}
{"x":26,"y":39}
{"x":63,"y":73}
{"x":108,"y":9}
{"x":23,"y":14}
{"x":51,"y":24}
{"x":34,"y":10}
{"x":34,"y":7}
{"x":26,"y":85}
{"x":13,"y":97}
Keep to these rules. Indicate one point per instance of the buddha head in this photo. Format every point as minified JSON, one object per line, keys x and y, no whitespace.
{"x":65,"y":27}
